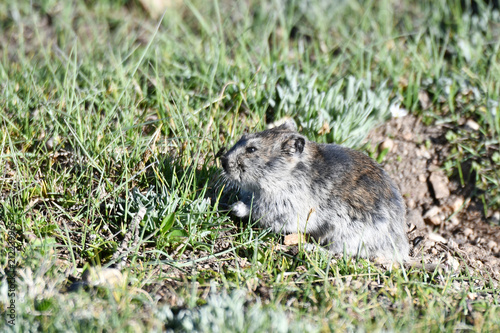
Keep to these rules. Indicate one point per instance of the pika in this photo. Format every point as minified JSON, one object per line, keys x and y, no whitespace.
{"x":338,"y":196}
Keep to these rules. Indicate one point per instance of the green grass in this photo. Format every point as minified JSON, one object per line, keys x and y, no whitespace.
{"x":104,"y":110}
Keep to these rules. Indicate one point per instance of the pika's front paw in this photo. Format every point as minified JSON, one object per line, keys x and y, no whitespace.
{"x":240,"y":209}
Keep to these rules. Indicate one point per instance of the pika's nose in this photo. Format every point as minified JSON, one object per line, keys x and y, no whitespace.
{"x":225,"y":162}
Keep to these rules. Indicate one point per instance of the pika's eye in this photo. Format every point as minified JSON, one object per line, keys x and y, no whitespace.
{"x":251,"y":150}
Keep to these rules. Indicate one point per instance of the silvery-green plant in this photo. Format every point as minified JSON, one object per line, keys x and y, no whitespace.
{"x":343,"y":113}
{"x":228,"y":312}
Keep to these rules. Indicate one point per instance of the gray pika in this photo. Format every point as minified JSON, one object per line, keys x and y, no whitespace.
{"x":340,"y":197}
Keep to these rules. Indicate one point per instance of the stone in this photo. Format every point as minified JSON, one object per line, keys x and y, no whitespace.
{"x":492,"y":245}
{"x":109,"y":277}
{"x":440,"y":185}
{"x":432,"y":212}
{"x":468,"y":232}
{"x":435,"y":220}
{"x":457,"y":203}
{"x":386,"y":144}
{"x":452,"y":262}
{"x":472,"y":125}
{"x":472,"y":296}
{"x":437,"y":238}
{"x":293,"y":239}
{"x":454,"y":221}
{"x":424,"y":99}
{"x":156,"y":8}
{"x":414,"y":217}
{"x":432,"y":216}
{"x":495,"y":217}
{"x":422,"y":178}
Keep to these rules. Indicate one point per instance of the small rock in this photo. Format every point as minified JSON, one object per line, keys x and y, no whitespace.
{"x":109,"y":277}
{"x":440,"y":185}
{"x":454,"y":221}
{"x":432,"y":216}
{"x":492,"y":245}
{"x":425,"y":153}
{"x":429,"y":244}
{"x":387,"y":144}
{"x":435,"y":220}
{"x":422,"y":178}
{"x":472,"y":125}
{"x":452,"y":244}
{"x":411,"y":204}
{"x":495,"y":217}
{"x":424,"y":99}
{"x":416,"y":218}
{"x":437,"y":238}
{"x":293,"y":239}
{"x":472,"y":296}
{"x":156,"y":8}
{"x":31,"y":237}
{"x":452,"y":262}
{"x":457,"y":204}
{"x":52,"y":142}
{"x":469,"y":248}
{"x":468,"y":232}
{"x":432,"y":212}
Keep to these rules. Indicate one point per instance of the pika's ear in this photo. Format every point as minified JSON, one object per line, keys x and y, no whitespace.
{"x":294,"y":144}
{"x":288,"y":124}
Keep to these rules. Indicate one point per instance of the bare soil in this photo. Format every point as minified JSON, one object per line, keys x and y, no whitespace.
{"x":446,"y":221}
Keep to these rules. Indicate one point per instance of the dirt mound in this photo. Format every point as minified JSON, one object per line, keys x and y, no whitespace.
{"x":445,"y":220}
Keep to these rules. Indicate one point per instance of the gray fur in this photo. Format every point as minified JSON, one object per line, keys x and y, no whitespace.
{"x":339,"y":196}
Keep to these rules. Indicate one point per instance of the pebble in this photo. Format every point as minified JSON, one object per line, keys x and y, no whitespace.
{"x":468,"y":232}
{"x":454,"y":221}
{"x":425,"y":154}
{"x":387,"y":144}
{"x":416,"y":218}
{"x":432,"y":216}
{"x":424,"y":99}
{"x":435,"y":220}
{"x":411,"y":204}
{"x":453,"y":262}
{"x":472,"y":125}
{"x":453,"y":245}
{"x":437,"y":238}
{"x":457,"y":203}
{"x":495,"y":217}
{"x":492,"y":245}
{"x":292,"y":239}
{"x":431,"y":212}
{"x":439,"y":185}
{"x":110,"y":277}
{"x":422,"y":178}
{"x":472,"y":296}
